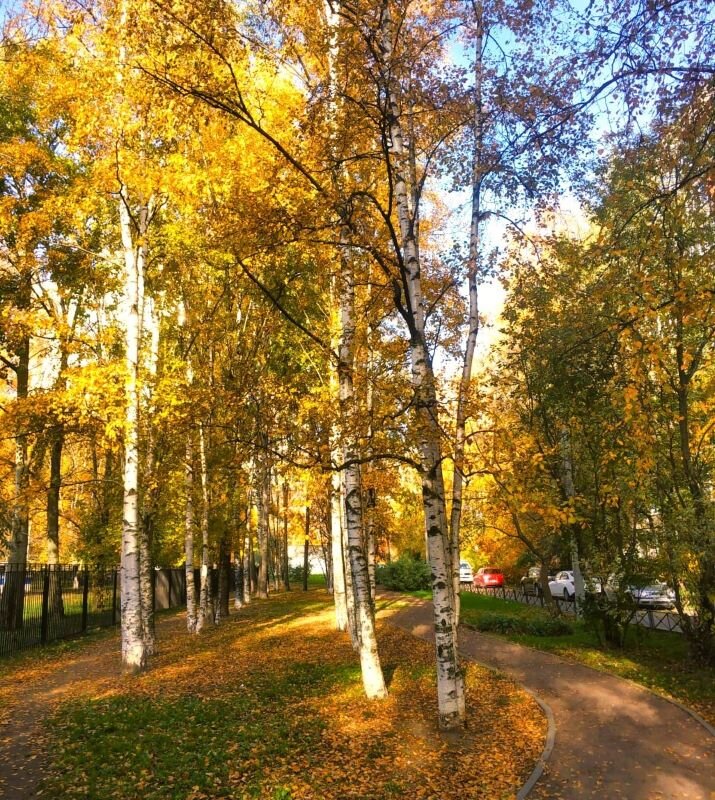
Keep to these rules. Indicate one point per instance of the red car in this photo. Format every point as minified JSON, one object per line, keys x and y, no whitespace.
{"x":489,"y":578}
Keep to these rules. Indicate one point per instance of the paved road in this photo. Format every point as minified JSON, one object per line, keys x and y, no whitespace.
{"x":614,"y":740}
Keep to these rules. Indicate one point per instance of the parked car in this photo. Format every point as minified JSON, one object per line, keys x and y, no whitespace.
{"x":563,"y":585}
{"x":531,"y":582}
{"x":655,"y":594}
{"x":644,"y":591}
{"x":28,"y":582}
{"x":489,"y":578}
{"x":465,"y":572}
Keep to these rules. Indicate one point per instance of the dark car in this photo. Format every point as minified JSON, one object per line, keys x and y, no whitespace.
{"x":531,"y":582}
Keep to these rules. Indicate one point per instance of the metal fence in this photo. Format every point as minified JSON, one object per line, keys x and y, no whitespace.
{"x":43,"y":603}
{"x":645,"y":617}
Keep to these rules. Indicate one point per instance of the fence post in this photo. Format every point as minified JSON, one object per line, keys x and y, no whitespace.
{"x":114,"y":596}
{"x":45,"y":604}
{"x":85,"y":597}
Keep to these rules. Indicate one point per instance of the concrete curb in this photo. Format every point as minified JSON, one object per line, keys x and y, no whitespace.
{"x":538,"y":770}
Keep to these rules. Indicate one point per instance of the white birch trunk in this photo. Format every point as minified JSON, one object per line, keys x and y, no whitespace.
{"x":248,"y":550}
{"x":336,"y":546}
{"x":263,"y":494}
{"x":341,"y":581}
{"x":473,"y":317}
{"x":191,"y":616}
{"x":133,"y":646}
{"x":373,"y":680}
{"x":450,"y":681}
{"x":349,"y":587}
{"x":206,"y":612}
{"x":238,"y":562}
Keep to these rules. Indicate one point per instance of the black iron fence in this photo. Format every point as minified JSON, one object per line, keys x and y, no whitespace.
{"x":43,"y":603}
{"x":645,"y":617}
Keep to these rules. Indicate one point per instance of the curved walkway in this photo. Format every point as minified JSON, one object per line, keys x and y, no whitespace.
{"x":614,"y":740}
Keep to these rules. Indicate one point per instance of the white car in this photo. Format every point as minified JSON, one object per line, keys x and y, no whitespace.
{"x":655,"y":595}
{"x":563,"y":585}
{"x":465,"y":572}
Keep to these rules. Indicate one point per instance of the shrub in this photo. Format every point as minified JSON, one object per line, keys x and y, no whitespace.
{"x":530,"y":626}
{"x":404,"y":574}
{"x":295,"y":574}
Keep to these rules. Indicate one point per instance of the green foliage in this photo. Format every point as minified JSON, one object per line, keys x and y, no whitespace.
{"x":405,"y":574}
{"x":295,"y":574}
{"x":537,"y":626}
{"x":609,"y":618}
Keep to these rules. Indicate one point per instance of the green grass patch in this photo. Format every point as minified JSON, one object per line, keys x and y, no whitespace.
{"x":270,"y":706}
{"x":655,"y":659}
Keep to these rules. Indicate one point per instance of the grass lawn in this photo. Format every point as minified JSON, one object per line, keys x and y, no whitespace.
{"x":656,"y":659}
{"x":269,"y":705}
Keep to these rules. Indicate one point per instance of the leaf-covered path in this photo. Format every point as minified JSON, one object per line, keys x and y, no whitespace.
{"x":267,"y":705}
{"x":613,"y":739}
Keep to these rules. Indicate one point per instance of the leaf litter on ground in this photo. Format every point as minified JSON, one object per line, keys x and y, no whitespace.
{"x":269,"y":706}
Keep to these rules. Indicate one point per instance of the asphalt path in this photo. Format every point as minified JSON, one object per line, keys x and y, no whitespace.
{"x":614,"y":740}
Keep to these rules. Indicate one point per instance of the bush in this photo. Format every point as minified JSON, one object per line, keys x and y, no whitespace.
{"x":405,"y":574}
{"x":609,"y":618}
{"x":530,"y":626}
{"x":295,"y":574}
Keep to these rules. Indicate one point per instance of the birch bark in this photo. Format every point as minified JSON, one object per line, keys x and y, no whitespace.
{"x":473,"y":316}
{"x":286,"y":575}
{"x":206,"y":612}
{"x":341,"y":581}
{"x":373,"y":680}
{"x":248,"y":551}
{"x":338,"y":560}
{"x":450,"y":681}
{"x":133,"y":645}
{"x":263,"y":494}
{"x":191,"y":615}
{"x":349,"y":586}
{"x":151,"y":487}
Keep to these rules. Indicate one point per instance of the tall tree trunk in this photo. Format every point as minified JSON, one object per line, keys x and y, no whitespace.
{"x":12,"y":599}
{"x":286,"y":565}
{"x":55,"y":604}
{"x":224,"y":567}
{"x":349,"y":587}
{"x":133,"y":646}
{"x":191,"y":614}
{"x":238,"y":560}
{"x":336,"y":545}
{"x":146,"y":582}
{"x":450,"y":680}
{"x":263,"y":494}
{"x":206,"y":612}
{"x":342,"y":585}
{"x":570,"y":494}
{"x":473,"y":317}
{"x":248,"y":550}
{"x":150,"y":499}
